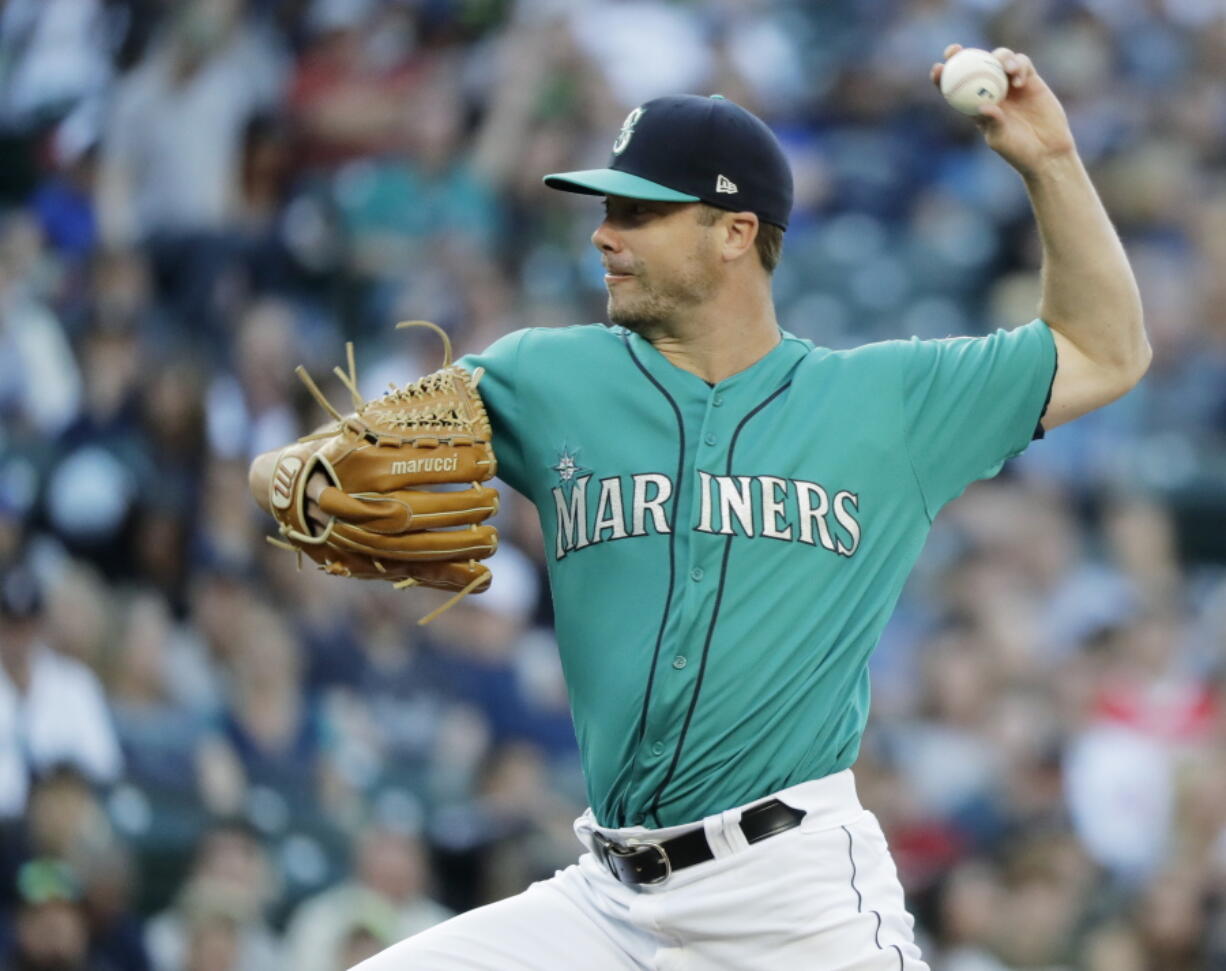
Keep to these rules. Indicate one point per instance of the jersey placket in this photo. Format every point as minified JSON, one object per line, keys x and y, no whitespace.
{"x":672,"y":681}
{"x":710,"y":416}
{"x":672,"y":706}
{"x":704,"y":551}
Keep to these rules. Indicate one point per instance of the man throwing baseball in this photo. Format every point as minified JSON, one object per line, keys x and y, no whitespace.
{"x":729,"y":515}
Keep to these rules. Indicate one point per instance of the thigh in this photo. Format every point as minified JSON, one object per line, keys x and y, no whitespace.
{"x":879,"y":894}
{"x":819,"y":901}
{"x":551,"y":926}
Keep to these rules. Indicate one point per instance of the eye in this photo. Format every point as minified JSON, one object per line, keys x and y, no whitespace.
{"x":629,"y":210}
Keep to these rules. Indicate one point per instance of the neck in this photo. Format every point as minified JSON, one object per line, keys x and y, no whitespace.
{"x":722,"y":337}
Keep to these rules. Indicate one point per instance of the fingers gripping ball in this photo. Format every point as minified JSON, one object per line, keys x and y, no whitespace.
{"x":384,"y":515}
{"x":973,"y":77}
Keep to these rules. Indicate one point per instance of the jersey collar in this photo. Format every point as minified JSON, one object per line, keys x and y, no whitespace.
{"x":764,"y":374}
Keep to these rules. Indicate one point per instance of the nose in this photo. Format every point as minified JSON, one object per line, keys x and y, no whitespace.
{"x":605,"y":238}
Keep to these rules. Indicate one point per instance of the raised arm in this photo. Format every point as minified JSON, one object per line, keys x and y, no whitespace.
{"x":1089,"y":295}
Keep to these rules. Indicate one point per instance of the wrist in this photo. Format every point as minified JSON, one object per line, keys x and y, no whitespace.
{"x":1053,"y":168}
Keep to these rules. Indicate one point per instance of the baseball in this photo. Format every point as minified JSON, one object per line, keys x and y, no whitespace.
{"x":973,"y":77}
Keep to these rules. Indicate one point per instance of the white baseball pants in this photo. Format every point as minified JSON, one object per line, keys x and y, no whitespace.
{"x":824,"y":896}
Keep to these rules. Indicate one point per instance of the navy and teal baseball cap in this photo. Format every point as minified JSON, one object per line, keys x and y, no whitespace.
{"x":687,"y":148}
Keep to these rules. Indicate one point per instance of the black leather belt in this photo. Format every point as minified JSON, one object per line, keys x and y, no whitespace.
{"x":650,"y":862}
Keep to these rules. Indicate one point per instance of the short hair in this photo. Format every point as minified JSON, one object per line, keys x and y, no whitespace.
{"x":768,"y":242}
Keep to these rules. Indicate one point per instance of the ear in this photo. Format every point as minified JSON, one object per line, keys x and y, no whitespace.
{"x":740,"y":229}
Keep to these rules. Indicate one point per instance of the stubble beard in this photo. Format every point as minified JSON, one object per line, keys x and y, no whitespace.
{"x":656,"y":307}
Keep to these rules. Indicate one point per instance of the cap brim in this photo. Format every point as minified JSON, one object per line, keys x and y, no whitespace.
{"x":610,"y":182}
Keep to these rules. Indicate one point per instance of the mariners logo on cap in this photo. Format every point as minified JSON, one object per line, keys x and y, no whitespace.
{"x":623,"y":136}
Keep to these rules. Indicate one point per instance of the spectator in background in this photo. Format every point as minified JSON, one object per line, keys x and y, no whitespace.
{"x":1170,"y":918}
{"x":40,"y":383}
{"x":56,"y":58}
{"x":434,"y":197}
{"x":363,"y":940}
{"x":231,"y":540}
{"x":101,"y":466}
{"x":385,"y":898}
{"x":970,"y":900}
{"x":66,"y":820}
{"x":213,"y":938}
{"x":1120,"y":763}
{"x":80,"y":613}
{"x":198,"y":660}
{"x":172,"y":418}
{"x":12,"y":526}
{"x":353,"y":82}
{"x":120,"y":297}
{"x":173,"y":146}
{"x":171,"y":151}
{"x":64,"y":203}
{"x":521,"y":823}
{"x":51,"y":932}
{"x":273,"y":253}
{"x":108,"y":880}
{"x":495,"y":659}
{"x":52,"y":708}
{"x":160,"y":739}
{"x":391,"y":713}
{"x":270,"y":725}
{"x":249,"y":408}
{"x":220,"y":908}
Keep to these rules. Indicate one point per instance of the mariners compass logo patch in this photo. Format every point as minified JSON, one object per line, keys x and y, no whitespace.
{"x":568,"y":466}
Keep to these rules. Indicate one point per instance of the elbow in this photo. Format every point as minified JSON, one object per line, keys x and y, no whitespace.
{"x":1141,"y":357}
{"x":1122,"y":361}
{"x":1145,"y":359}
{"x":1127,"y":354}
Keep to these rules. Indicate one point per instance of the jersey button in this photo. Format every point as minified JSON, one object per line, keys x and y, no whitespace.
{"x":696,"y":574}
{"x":718,"y":400}
{"x":710,"y":438}
{"x":658,"y":748}
{"x":679,"y":661}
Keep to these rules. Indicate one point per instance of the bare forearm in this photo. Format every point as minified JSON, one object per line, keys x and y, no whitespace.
{"x":1089,"y":294}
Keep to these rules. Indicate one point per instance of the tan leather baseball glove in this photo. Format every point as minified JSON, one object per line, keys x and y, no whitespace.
{"x":385,"y":511}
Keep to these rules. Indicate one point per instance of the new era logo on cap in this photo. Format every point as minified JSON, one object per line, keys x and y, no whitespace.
{"x":725,"y":184}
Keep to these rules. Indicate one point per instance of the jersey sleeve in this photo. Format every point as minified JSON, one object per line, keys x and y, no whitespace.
{"x":970,"y":403}
{"x":504,"y":402}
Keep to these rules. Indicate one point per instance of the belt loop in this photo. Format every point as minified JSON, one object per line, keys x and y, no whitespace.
{"x":713,"y":829}
{"x":732,"y":830}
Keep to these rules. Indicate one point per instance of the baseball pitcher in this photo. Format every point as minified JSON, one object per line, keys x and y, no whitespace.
{"x":729,"y":516}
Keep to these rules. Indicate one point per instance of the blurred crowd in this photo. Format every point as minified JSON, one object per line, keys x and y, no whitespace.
{"x":212,"y":761}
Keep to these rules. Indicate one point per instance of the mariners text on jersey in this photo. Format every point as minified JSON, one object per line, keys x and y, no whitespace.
{"x":742,"y":505}
{"x":664,"y":501}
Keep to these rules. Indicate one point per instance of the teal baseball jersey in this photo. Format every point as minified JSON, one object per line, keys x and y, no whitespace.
{"x":723,"y":558}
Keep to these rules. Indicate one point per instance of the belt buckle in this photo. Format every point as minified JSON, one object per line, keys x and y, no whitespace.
{"x":632,"y":848}
{"x":637,"y":845}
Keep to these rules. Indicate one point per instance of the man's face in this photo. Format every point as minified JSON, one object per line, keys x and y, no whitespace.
{"x":660,"y":261}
